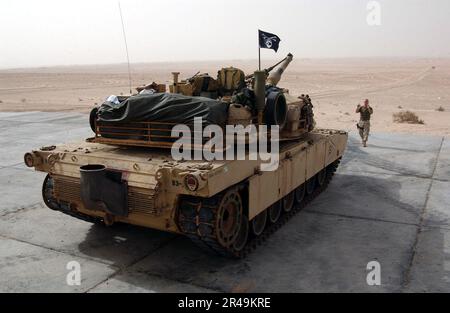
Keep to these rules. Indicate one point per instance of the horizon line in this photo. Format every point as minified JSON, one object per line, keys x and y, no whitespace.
{"x":219,"y":60}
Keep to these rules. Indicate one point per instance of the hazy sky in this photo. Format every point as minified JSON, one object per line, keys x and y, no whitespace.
{"x":62,"y":32}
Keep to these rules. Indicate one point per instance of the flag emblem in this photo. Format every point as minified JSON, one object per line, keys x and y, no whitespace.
{"x":268,"y":41}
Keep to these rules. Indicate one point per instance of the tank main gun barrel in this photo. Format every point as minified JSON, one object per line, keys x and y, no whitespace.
{"x":268,"y":70}
{"x":275,"y":77}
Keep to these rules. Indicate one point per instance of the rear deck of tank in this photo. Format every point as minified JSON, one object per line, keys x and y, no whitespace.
{"x":387,"y":203}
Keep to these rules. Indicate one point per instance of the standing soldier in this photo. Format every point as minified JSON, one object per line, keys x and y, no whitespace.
{"x":365,"y":112}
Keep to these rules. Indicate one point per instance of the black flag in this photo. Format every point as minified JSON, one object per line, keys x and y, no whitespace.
{"x":268,"y":41}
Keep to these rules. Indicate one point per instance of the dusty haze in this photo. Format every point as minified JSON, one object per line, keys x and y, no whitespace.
{"x":53,"y":32}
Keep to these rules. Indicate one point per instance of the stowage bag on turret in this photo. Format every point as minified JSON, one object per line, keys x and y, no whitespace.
{"x":164,"y":107}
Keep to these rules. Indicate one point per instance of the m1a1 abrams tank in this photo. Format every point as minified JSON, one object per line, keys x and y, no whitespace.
{"x":126,"y":172}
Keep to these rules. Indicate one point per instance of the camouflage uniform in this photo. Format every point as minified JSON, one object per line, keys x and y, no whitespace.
{"x":364,"y":122}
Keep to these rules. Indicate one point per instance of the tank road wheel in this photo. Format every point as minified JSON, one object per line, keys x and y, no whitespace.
{"x":47,"y":194}
{"x":217,"y":224}
{"x":241,"y":239}
{"x":275,"y":212}
{"x":259,"y":223}
{"x":288,"y":202}
{"x":300,"y":193}
{"x":229,"y":218}
{"x":311,"y":185}
{"x":322,"y":177}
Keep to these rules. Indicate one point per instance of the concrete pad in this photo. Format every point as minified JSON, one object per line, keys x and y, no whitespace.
{"x":313,"y":252}
{"x":437,"y":213}
{"x":21,"y":166}
{"x":17,"y":115}
{"x":370,"y":212}
{"x":28,"y":131}
{"x":120,"y":245}
{"x":132,"y":282}
{"x":20,"y":189}
{"x":33,"y":132}
{"x":23,"y":132}
{"x":29,"y":268}
{"x":11,"y":155}
{"x":14,"y":145}
{"x":57,"y":136}
{"x":400,"y":154}
{"x":40,"y":117}
{"x":431,"y":268}
{"x":5,"y":124}
{"x":443,"y":165}
{"x":374,"y":196}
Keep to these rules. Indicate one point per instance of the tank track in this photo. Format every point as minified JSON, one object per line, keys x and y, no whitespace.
{"x":197,"y":220}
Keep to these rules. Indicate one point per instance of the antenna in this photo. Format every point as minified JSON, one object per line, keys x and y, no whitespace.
{"x":126,"y":47}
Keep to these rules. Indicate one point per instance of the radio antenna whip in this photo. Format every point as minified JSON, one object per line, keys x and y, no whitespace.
{"x":126,"y":47}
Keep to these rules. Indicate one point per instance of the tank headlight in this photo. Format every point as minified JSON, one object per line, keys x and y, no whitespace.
{"x":191,"y":182}
{"x":28,"y":159}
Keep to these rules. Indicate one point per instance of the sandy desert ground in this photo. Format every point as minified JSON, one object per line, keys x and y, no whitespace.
{"x":335,"y":85}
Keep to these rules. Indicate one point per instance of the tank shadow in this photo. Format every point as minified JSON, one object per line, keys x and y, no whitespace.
{"x":121,"y":245}
{"x":326,"y":247}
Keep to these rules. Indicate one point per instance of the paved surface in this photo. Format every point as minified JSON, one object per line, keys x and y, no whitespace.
{"x":388,"y":202}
